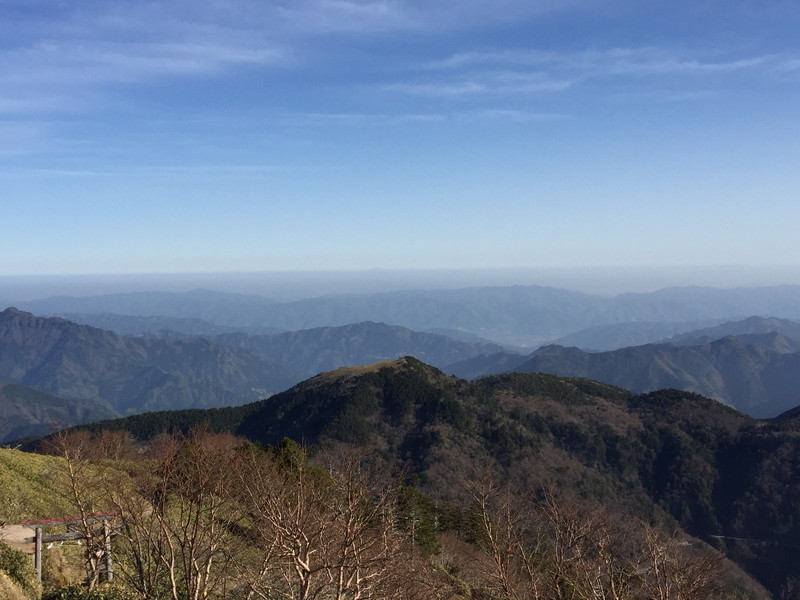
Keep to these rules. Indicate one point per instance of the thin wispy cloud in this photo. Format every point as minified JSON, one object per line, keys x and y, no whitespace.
{"x":103,"y":62}
{"x":514,"y":115}
{"x":73,"y":62}
{"x":424,"y":119}
{"x":503,"y":82}
{"x":341,"y":16}
{"x":42,"y":173}
{"x":77,"y":59}
{"x":369,"y":17}
{"x":165,"y":171}
{"x":613,"y":61}
{"x":23,"y":137}
{"x":360,"y":119}
{"x":529,"y":71}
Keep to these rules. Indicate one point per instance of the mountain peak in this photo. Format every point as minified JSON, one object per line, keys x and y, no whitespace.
{"x":397,"y":365}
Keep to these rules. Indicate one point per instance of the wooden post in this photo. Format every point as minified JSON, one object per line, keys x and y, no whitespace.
{"x":38,"y":556}
{"x":107,"y":542}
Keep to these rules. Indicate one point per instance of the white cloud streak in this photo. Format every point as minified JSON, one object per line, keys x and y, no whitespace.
{"x":369,"y":17}
{"x":76,"y":59}
{"x":610,"y":62}
{"x":537,"y":71}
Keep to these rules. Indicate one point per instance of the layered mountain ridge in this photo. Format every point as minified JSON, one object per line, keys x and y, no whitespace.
{"x":526,"y":316}
{"x":171,"y":371}
{"x":758,"y":374}
{"x":129,"y":374}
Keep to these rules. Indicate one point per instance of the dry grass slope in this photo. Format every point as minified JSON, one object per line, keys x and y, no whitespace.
{"x":9,"y":590}
{"x":29,"y":488}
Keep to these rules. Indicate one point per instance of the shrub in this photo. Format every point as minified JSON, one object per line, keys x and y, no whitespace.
{"x":19,"y":569}
{"x":107,"y":591}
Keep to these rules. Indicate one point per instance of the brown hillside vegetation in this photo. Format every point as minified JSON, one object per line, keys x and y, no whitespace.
{"x":10,"y":590}
{"x":667,"y":457}
{"x":213,"y":516}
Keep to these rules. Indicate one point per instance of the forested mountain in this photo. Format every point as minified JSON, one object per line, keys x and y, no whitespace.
{"x":714,"y":470}
{"x":171,"y":371}
{"x":129,"y":374}
{"x":517,"y":315}
{"x":755,"y":372}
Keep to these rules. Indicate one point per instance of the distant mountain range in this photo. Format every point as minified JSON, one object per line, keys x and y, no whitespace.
{"x":623,"y":335}
{"x":313,"y":351}
{"x":154,"y":325}
{"x":172,"y":371}
{"x":519,"y":315}
{"x":755,"y":367}
{"x":129,"y":374}
{"x":747,"y":328}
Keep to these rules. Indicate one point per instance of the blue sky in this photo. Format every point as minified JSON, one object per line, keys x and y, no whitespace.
{"x":206,"y":135}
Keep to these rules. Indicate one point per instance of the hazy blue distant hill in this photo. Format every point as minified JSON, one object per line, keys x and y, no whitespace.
{"x":517,"y":315}
{"x":520,"y":315}
{"x":774,"y":341}
{"x":312,"y":351}
{"x":486,"y":364}
{"x":219,"y":308}
{"x":621,"y":335}
{"x":678,"y":304}
{"x":130,"y":374}
{"x":513,"y":315}
{"x":464,"y":336}
{"x":751,"y":326}
{"x":135,"y":325}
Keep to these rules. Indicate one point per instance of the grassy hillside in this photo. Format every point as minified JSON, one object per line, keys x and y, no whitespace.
{"x":29,"y":487}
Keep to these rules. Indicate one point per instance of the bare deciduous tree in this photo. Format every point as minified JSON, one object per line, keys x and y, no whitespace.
{"x":84,"y":482}
{"x":553,"y":548}
{"x":177,"y":522}
{"x":321,"y":532}
{"x":674,"y":571}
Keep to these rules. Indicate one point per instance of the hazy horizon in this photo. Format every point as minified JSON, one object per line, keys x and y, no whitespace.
{"x":290,"y":285}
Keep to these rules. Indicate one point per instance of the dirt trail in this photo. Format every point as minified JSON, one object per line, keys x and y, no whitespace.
{"x":14,"y":536}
